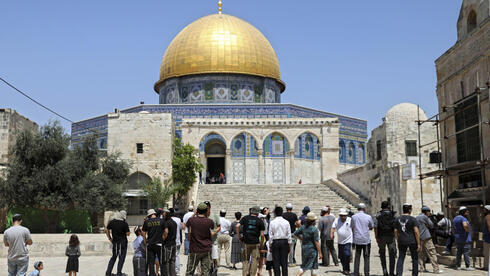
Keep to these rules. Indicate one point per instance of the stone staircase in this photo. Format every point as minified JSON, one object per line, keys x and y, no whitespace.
{"x":235,"y":198}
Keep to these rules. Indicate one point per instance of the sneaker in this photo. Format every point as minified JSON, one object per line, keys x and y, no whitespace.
{"x":438,"y":271}
{"x":458,"y":268}
{"x":445,"y":252}
{"x":470,"y":268}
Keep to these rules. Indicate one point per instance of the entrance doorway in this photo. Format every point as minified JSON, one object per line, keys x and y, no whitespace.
{"x":216,"y":166}
{"x":215,"y":152}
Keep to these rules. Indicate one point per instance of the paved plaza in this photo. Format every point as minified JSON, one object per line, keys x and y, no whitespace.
{"x":96,"y":265}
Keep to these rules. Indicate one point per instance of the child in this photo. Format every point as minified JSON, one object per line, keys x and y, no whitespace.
{"x":139,"y":258}
{"x":38,"y":266}
{"x":73,"y":252}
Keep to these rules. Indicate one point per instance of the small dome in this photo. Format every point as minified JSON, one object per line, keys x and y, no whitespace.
{"x":220,"y":43}
{"x":404,"y":110}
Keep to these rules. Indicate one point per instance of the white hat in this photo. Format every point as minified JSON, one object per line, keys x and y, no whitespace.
{"x":462,"y":208}
{"x":191,"y":208}
{"x":289,"y":206}
{"x":407,"y":204}
{"x":150,"y":212}
{"x":343,"y":212}
{"x":123,"y":214}
{"x":325,"y":209}
{"x":487,"y":207}
{"x":262,"y":216}
{"x":361,"y":206}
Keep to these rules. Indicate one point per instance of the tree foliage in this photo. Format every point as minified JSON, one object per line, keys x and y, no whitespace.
{"x":159,"y":194}
{"x":44,"y":173}
{"x":185,"y":166}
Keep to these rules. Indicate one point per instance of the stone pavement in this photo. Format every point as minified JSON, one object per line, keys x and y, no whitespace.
{"x":96,"y":265}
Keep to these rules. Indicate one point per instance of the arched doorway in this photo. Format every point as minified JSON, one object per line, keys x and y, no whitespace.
{"x":215,"y":154}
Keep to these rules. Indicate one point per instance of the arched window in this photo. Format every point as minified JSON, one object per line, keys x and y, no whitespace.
{"x":275,"y":145}
{"x":351,"y":153}
{"x":238,"y":146}
{"x":360,"y":153}
{"x":138,"y":181}
{"x":342,"y":158}
{"x":471,"y":23}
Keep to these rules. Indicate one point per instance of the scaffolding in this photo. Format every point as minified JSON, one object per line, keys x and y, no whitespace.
{"x":444,"y":170}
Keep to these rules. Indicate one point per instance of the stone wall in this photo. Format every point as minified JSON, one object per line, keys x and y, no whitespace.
{"x":11,"y":123}
{"x":381,"y":178}
{"x":460,"y":70}
{"x":154,"y":131}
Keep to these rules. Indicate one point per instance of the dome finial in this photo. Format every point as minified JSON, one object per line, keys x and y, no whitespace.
{"x":219,"y":6}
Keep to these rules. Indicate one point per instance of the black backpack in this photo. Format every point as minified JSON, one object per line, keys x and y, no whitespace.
{"x":386,"y":223}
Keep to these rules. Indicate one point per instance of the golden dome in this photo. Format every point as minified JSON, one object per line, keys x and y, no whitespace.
{"x":220,"y":43}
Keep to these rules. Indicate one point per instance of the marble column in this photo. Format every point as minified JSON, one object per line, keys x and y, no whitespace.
{"x":292,"y":179}
{"x":261,"y":175}
{"x":228,"y":169}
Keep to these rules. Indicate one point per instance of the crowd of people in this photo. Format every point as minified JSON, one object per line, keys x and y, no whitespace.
{"x":264,"y":238}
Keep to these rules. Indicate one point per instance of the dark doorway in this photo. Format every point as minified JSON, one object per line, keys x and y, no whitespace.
{"x":216,"y":167}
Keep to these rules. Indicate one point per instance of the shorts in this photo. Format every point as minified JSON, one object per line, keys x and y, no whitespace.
{"x":269,"y":265}
{"x":214,"y":252}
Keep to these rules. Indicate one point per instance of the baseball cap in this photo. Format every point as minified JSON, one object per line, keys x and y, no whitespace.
{"x":306,"y":209}
{"x":202,"y":206}
{"x":289,"y":206}
{"x":361,"y":206}
{"x":255,"y":210}
{"x":425,"y":209}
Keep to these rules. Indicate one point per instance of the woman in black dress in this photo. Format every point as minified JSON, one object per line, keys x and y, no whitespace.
{"x":72,"y":252}
{"x":236,"y":245}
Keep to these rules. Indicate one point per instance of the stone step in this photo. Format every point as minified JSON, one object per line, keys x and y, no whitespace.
{"x":233,"y":197}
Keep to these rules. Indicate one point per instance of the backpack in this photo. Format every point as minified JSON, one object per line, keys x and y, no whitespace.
{"x":386,"y":223}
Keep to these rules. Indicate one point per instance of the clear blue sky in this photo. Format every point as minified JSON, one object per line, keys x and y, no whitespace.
{"x":356,"y":58}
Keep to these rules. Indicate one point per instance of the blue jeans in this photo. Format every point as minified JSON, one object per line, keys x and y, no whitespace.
{"x":449,"y":243}
{"x":18,"y":267}
{"x":344,"y":256}
{"x":463,"y":249}
{"x":186,"y":244}
{"x":401,"y":258}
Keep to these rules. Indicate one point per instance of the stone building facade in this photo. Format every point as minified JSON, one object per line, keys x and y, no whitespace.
{"x":392,"y":166}
{"x":462,"y":93}
{"x":220,"y":90}
{"x":11,"y":123}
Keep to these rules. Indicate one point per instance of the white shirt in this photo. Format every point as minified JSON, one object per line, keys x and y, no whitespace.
{"x":179,"y":228}
{"x":344,"y":230}
{"x":187,"y":216}
{"x":279,"y":229}
{"x":225,"y":226}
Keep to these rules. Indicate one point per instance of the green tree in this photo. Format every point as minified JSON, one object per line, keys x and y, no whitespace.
{"x":185,"y":167}
{"x":43,"y":173}
{"x":159,"y":194}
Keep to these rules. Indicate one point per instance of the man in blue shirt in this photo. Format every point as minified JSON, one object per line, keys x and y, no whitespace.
{"x":362,"y":223}
{"x":462,"y":237}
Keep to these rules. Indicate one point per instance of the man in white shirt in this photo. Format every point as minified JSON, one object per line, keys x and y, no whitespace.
{"x":224,"y":238}
{"x":343,"y":226}
{"x":178,"y":238}
{"x":362,"y":223}
{"x":187,"y":216}
{"x":280,"y":235}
